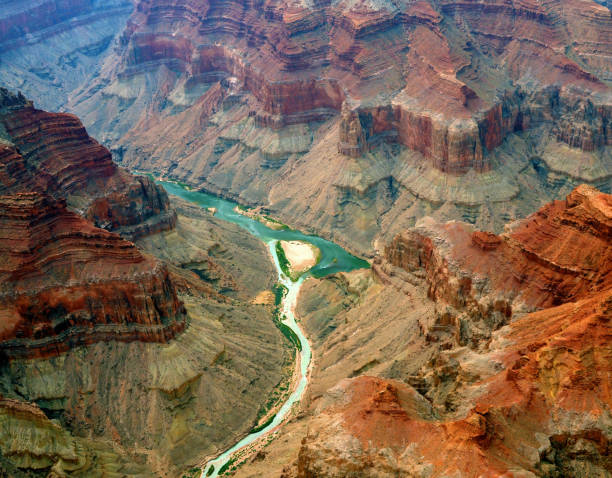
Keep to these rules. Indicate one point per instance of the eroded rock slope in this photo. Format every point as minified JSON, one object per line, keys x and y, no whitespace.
{"x":463,"y":353}
{"x":114,"y":362}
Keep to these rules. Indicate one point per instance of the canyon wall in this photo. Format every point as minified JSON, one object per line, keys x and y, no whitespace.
{"x":112,"y":361}
{"x":462,"y":353}
{"x":58,"y":157}
{"x":67,"y":283}
{"x":50,"y":48}
{"x":413,"y":108}
{"x":429,"y":65}
{"x":356,"y":119}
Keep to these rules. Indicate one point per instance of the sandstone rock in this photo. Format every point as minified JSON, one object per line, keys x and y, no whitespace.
{"x":66,"y":283}
{"x":352,"y":141}
{"x":530,"y":401}
{"x":300,"y":62}
{"x":57,"y":154}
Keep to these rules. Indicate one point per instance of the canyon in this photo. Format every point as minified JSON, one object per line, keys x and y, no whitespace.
{"x":463,"y":147}
{"x":126,"y":318}
{"x":372,"y":114}
{"x":431,"y":365}
{"x":350,"y":119}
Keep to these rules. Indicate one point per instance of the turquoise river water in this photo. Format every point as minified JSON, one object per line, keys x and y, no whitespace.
{"x":333,"y":259}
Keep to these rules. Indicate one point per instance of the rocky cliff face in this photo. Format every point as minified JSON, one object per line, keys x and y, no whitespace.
{"x":66,"y":283}
{"x":554,"y":256}
{"x":113,"y":362}
{"x":217,"y":94}
{"x":53,"y":153}
{"x":450,"y":103}
{"x":441,"y":100}
{"x":531,"y":382}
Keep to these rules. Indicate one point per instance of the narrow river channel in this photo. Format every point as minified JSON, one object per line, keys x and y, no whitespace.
{"x":333,"y":259}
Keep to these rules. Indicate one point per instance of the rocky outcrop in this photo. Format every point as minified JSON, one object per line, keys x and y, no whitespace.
{"x":52,"y":153}
{"x":128,"y":404}
{"x":437,"y":68}
{"x":554,"y":256}
{"x":67,"y":283}
{"x":458,"y":146}
{"x":352,"y":138}
{"x":32,"y":441}
{"x":524,"y":399}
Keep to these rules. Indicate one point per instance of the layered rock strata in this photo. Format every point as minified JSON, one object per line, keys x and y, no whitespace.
{"x":356,"y":119}
{"x":449,"y":80}
{"x":537,"y":381}
{"x":113,"y":362}
{"x":52,"y":153}
{"x":556,"y":255}
{"x":138,"y":408}
{"x":67,"y":283}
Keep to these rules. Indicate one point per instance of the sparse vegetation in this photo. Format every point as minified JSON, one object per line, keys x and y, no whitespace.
{"x":225,"y":467}
{"x":281,"y":226}
{"x":290,"y":334}
{"x":259,"y":428}
{"x":279,"y":292}
{"x":283,"y":261}
{"x":194,"y":472}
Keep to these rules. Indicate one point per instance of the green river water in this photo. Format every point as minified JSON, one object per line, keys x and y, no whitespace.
{"x":332,"y":259}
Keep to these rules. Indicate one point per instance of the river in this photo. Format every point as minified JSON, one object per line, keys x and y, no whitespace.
{"x":333,"y":259}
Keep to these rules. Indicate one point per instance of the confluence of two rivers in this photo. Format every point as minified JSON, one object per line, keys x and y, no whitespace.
{"x":333,"y":259}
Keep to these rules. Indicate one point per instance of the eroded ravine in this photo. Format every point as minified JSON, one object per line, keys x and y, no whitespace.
{"x":332,"y":259}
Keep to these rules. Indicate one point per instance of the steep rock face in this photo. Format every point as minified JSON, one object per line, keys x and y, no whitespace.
{"x":446,"y":99}
{"x":66,"y":283}
{"x":58,"y":157}
{"x":530,"y":398}
{"x":80,"y":305}
{"x":352,"y":138}
{"x":185,"y":399}
{"x":554,"y":256}
{"x":433,"y":64}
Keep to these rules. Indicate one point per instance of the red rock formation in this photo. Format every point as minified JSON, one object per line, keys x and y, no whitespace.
{"x":436,"y":68}
{"x":352,"y":138}
{"x":554,"y":256}
{"x":66,"y":283}
{"x":537,"y":398}
{"x":54,"y":151}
